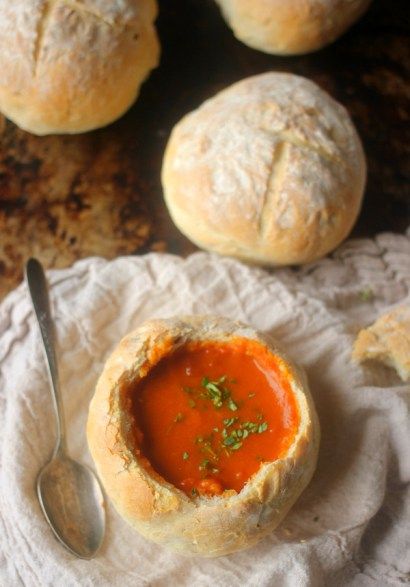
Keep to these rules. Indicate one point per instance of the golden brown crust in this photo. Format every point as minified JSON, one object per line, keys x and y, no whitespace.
{"x":270,"y":170}
{"x":290,"y":27}
{"x":70,"y":66}
{"x":387,"y":341}
{"x":161,"y":512}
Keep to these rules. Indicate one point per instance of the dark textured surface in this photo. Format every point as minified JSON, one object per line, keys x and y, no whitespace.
{"x":65,"y":198}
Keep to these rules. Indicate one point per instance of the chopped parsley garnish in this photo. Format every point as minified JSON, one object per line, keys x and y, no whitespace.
{"x":251,"y":427}
{"x":229,"y":440}
{"x":232,"y":405}
{"x":215,"y":390}
{"x":204,"y":465}
{"x":229,"y":421}
{"x":233,"y":432}
{"x":207,"y":465}
{"x":194,"y":492}
{"x":235,"y":438}
{"x":366,"y":294}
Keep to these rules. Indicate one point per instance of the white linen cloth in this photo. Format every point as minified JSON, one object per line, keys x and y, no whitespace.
{"x":351,"y":526}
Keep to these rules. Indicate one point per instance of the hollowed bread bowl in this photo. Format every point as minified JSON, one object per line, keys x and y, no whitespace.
{"x":171,"y":510}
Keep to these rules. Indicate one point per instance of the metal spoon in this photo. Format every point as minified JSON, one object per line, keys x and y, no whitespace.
{"x":69,"y":493}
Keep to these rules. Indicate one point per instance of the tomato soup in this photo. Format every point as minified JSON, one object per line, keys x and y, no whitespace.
{"x":210,"y":413}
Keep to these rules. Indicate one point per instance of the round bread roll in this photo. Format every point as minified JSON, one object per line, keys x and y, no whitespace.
{"x":194,"y":523}
{"x":290,"y":27}
{"x":270,"y":170}
{"x":69,"y":66}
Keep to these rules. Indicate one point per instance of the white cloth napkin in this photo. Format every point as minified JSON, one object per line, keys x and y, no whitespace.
{"x":352,"y":524}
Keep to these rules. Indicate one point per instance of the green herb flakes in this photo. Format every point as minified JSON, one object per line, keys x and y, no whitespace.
{"x":251,"y":427}
{"x":229,"y":421}
{"x":204,"y":465}
{"x":214,"y":390}
{"x":185,"y":456}
{"x":366,"y":294}
{"x":232,"y":405}
{"x":229,"y":441}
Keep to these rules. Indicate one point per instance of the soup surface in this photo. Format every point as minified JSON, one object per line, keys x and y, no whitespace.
{"x":211,"y":413}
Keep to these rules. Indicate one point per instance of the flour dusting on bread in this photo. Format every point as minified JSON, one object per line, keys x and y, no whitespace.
{"x":270,"y":170}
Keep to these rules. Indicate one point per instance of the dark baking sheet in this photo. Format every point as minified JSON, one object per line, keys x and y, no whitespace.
{"x":63,"y":198}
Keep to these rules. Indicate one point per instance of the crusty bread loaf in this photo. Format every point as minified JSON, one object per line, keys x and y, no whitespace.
{"x":387,"y":341}
{"x":271,"y":170}
{"x":161,"y":512}
{"x":68,"y":66}
{"x":290,"y":27}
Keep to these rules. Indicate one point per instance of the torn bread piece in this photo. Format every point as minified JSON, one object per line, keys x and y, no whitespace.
{"x":387,"y":341}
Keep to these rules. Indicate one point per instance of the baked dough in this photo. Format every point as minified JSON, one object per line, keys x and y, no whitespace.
{"x":69,"y":66}
{"x":290,"y":27}
{"x":270,"y":170}
{"x":387,"y":341}
{"x":158,"y":510}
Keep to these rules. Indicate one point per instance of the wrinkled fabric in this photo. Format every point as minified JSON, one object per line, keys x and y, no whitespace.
{"x":350,"y":527}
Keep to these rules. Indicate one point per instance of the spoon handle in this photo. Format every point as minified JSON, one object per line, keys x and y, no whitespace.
{"x":37,"y":285}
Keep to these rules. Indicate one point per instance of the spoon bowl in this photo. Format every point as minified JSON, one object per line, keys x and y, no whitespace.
{"x":73,"y":504}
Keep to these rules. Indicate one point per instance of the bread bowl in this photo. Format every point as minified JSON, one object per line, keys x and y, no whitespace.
{"x":290,"y":27}
{"x":128,"y":436}
{"x":69,"y":67}
{"x":271,"y":170}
